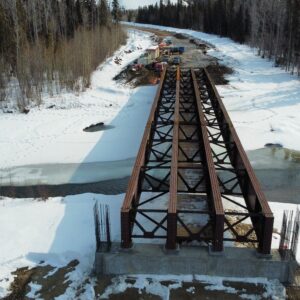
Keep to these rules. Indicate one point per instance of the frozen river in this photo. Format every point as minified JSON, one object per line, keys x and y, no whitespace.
{"x":277,"y":169}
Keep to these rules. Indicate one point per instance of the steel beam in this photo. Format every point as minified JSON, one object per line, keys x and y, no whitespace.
{"x":133,"y":189}
{"x":177,"y":158}
{"x":251,"y":189}
{"x":213,"y":188}
{"x":172,"y":209}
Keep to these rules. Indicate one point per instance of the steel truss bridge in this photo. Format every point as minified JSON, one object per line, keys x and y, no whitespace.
{"x":192,"y":181}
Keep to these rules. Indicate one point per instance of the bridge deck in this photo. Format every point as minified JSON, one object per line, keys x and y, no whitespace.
{"x":192,"y":181}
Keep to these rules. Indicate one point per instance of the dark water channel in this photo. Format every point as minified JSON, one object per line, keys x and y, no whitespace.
{"x":278,"y":170}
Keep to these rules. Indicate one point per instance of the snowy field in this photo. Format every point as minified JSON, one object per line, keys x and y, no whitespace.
{"x":47,"y":136}
{"x":263,"y":101}
{"x":58,"y":230}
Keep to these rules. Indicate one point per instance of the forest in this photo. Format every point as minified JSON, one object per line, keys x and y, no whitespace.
{"x":47,"y":46}
{"x":272,"y":26}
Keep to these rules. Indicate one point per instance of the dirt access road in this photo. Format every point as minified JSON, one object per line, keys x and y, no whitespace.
{"x":194,"y":56}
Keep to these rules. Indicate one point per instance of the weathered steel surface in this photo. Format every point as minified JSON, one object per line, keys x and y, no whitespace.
{"x":132,"y":191}
{"x":251,"y":189}
{"x":213,"y":183}
{"x":172,"y":209}
{"x":176,"y":191}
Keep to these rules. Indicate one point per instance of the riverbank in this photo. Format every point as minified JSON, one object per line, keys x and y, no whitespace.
{"x":263,"y":101}
{"x":53,"y":133}
{"x":278,"y":171}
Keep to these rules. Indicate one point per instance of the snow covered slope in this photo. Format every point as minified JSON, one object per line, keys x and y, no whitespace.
{"x":55,"y":231}
{"x":53,"y":132}
{"x":59,"y":230}
{"x":263,"y":101}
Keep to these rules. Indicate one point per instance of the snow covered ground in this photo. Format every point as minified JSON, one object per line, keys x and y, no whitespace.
{"x":55,"y":231}
{"x":49,"y":146}
{"x":59,"y":230}
{"x":163,"y":286}
{"x":62,"y":229}
{"x":47,"y":136}
{"x":263,"y":101}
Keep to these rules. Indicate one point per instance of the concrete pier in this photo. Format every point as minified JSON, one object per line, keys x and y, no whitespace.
{"x":154,"y":259}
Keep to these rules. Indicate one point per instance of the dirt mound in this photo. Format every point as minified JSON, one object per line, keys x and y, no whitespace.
{"x":180,"y":36}
{"x":135,"y":78}
{"x":53,"y":282}
{"x":218,"y":73}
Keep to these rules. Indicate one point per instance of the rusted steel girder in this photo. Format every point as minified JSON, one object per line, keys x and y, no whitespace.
{"x":255,"y":199}
{"x":213,"y":188}
{"x":133,"y":186}
{"x":172,"y":209}
{"x":176,"y":159}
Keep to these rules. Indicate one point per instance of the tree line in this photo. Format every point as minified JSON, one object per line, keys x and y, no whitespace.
{"x":273,"y":26}
{"x":53,"y":45}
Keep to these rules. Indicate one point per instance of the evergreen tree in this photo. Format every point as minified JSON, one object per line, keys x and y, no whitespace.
{"x":270,"y":25}
{"x":79,"y":13}
{"x":161,"y":12}
{"x":103,"y":12}
{"x":116,"y":13}
{"x":48,"y":44}
{"x":129,"y":16}
{"x":70,"y":17}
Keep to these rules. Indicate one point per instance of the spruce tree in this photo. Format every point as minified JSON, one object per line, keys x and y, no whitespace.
{"x":115,"y":11}
{"x":103,"y":12}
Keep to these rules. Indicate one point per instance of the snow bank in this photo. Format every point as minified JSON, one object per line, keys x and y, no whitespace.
{"x":263,"y":101}
{"x":61,"y":229}
{"x":53,"y":132}
{"x":156,"y":285}
{"x":55,"y":231}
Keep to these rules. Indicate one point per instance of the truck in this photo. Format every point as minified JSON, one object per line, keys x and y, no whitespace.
{"x":181,"y":50}
{"x":176,"y":60}
{"x":168,"y":40}
{"x":165,"y":58}
{"x":177,"y":50}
